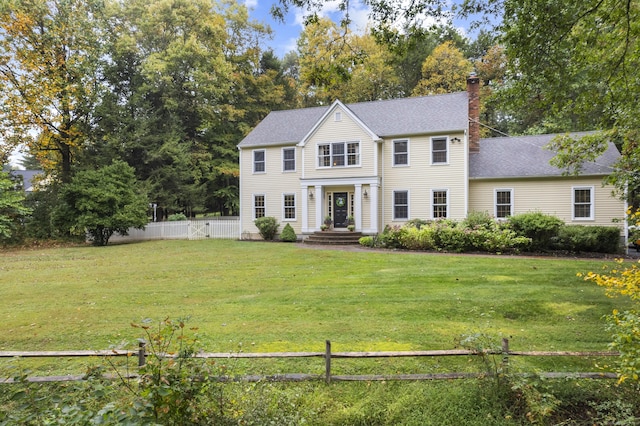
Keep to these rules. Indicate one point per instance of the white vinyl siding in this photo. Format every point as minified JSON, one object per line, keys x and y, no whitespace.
{"x":552,"y":196}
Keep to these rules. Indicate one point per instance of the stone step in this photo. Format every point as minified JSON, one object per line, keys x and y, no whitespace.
{"x":334,"y":238}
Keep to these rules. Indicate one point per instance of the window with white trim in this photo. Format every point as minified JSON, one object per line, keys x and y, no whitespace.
{"x":259,"y":206}
{"x":259,"y":161}
{"x":288,"y":159}
{"x":439,"y":151}
{"x":289,"y":206}
{"x":400,"y":205}
{"x":504,"y":203}
{"x":339,"y":154}
{"x":440,"y":203}
{"x":583,"y":203}
{"x":338,"y":116}
{"x":401,"y":152}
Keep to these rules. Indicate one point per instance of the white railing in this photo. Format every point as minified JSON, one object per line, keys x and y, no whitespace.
{"x":226,"y":228}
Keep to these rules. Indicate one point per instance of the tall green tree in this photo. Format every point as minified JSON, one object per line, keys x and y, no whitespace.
{"x":338,"y":64}
{"x":12,"y":207}
{"x":444,"y":71}
{"x":102,"y":202}
{"x":49,"y":51}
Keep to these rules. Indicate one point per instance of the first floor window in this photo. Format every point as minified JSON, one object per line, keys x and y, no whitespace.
{"x":583,"y":203}
{"x":504,"y":200}
{"x":401,"y":204}
{"x":290,"y":206}
{"x":259,"y":161}
{"x":439,"y":204}
{"x":258,"y":206}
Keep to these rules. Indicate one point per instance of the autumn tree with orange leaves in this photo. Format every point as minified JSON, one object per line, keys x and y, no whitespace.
{"x":49,"y":53}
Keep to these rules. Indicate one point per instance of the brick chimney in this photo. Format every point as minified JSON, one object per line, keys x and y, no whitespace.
{"x":473,"y":91}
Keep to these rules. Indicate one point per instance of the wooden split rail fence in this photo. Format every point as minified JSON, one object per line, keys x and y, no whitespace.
{"x":328,"y":356}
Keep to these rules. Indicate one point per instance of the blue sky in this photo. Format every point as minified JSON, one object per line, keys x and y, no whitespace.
{"x":285,"y":34}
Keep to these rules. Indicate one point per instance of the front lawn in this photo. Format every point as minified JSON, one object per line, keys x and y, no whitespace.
{"x":285,"y":297}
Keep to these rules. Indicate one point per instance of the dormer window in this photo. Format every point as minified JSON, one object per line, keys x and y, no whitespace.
{"x":338,"y":116}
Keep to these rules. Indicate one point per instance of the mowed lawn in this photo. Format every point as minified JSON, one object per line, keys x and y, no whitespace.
{"x":267,"y":297}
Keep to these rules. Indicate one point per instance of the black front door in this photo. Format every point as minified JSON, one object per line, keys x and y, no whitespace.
{"x":340,"y":210}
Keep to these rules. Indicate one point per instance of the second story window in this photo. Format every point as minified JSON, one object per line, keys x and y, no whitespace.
{"x":259,"y":165}
{"x":339,"y":154}
{"x":289,"y":159}
{"x":401,"y":152}
{"x":439,"y":151}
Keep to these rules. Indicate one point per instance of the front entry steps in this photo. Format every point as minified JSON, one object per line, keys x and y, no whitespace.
{"x":333,"y":238}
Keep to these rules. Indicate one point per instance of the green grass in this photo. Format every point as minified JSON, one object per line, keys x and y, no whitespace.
{"x":264,"y":297}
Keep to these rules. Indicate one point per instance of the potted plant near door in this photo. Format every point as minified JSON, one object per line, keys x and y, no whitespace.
{"x":351,"y":223}
{"x":327,"y":223}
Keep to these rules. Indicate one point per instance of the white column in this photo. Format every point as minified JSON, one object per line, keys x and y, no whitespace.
{"x":357,"y":208}
{"x":373,"y":200}
{"x":319,"y":197}
{"x":305,"y":209}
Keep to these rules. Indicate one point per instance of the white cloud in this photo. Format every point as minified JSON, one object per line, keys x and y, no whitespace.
{"x":251,"y":4}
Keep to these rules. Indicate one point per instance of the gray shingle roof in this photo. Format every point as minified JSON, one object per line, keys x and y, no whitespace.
{"x":526,"y":156}
{"x":396,"y":117}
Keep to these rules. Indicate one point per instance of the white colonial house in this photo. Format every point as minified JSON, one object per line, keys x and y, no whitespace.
{"x":386,"y":162}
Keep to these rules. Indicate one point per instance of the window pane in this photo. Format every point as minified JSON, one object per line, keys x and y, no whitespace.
{"x":439,"y":204}
{"x":258,"y":203}
{"x":338,"y":154}
{"x":400,"y":149}
{"x":258,"y":161}
{"x":353,"y":155}
{"x":289,"y":206}
{"x":582,"y":210}
{"x":439,"y":150}
{"x":401,"y":205}
{"x":503,"y":204}
{"x":582,"y":203}
{"x":583,"y":196}
{"x":324,"y":158}
{"x":289,"y":159}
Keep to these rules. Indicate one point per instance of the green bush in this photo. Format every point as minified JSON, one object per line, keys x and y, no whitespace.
{"x":479,"y":220}
{"x":540,"y":227}
{"x":592,"y":239}
{"x":267,"y":227}
{"x":392,"y":236}
{"x":176,"y":217}
{"x":288,"y":234}
{"x":417,"y":238}
{"x":449,"y":237}
{"x":367,"y":241}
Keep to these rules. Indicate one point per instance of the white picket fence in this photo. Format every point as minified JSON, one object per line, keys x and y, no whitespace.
{"x":225,"y":228}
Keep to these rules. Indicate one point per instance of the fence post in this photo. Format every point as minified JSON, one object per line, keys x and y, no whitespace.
{"x":505,"y":356}
{"x":327,"y":361}
{"x":141,"y":353}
